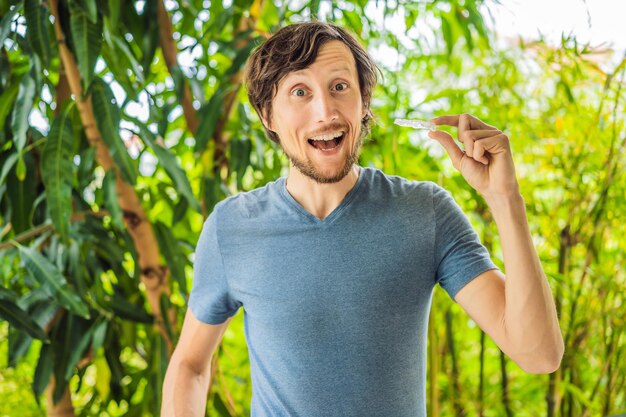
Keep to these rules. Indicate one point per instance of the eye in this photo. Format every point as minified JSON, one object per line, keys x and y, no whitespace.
{"x":341,"y":86}
{"x":298,"y":92}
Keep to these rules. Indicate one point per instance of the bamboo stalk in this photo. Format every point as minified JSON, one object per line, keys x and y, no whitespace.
{"x":434,"y":362}
{"x":459,"y":411}
{"x":553,"y":396}
{"x":154,"y":275}
{"x":505,"y":386}
{"x":481,"y":376}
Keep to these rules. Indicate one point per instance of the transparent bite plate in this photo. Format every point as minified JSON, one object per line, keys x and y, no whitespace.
{"x":416,"y":124}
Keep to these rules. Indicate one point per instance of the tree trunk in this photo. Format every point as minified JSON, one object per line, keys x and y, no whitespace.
{"x":64,"y":407}
{"x":154,"y":275}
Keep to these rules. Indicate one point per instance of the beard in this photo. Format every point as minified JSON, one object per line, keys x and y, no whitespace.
{"x":307,"y":168}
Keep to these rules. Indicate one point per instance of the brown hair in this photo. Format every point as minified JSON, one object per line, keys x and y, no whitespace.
{"x":293,"y":48}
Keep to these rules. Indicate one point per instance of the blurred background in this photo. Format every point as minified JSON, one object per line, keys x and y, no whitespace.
{"x":122,"y":124}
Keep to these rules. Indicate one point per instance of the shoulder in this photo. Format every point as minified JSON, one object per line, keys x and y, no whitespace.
{"x":247,"y":204}
{"x":397,"y":186}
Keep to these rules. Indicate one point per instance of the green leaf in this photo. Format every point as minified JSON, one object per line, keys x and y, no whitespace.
{"x":37,"y":22}
{"x":240,"y":150}
{"x":41,"y":311}
{"x":91,"y":9}
{"x":170,"y":163}
{"x":180,"y":210}
{"x":7,"y":100}
{"x":43,"y":372}
{"x":23,"y":106}
{"x":7,"y":165}
{"x":128,"y":311}
{"x":108,"y":119}
{"x":103,"y":376}
{"x":165,"y":305}
{"x":114,"y":14}
{"x":19,"y":318}
{"x":57,"y":169}
{"x":208,"y":115}
{"x":111,"y":199}
{"x":79,"y":342}
{"x":22,"y":193}
{"x":242,"y":56}
{"x":173,"y":256}
{"x":5,"y":24}
{"x":121,"y":45}
{"x":448,"y":33}
{"x":87,"y":36}
{"x":47,"y":274}
{"x":20,"y":169}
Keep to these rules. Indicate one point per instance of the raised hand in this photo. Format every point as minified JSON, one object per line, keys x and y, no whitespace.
{"x":486,"y":163}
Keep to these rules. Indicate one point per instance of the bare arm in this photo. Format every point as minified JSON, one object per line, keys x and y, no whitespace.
{"x":518,"y":313}
{"x":188,"y":374}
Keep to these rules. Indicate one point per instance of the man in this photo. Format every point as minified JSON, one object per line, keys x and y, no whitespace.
{"x":335,"y":265}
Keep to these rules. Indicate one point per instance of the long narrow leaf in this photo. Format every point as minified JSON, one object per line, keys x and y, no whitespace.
{"x":23,"y":106}
{"x":22,"y":194}
{"x":7,"y":101}
{"x":170,"y":163}
{"x":111,"y":200}
{"x":91,"y":8}
{"x":20,"y":319}
{"x":208,"y":115}
{"x":108,"y":119}
{"x":57,"y":169}
{"x":171,"y":252}
{"x":5,"y":24}
{"x":87,"y":38}
{"x":37,"y":22}
{"x":48,"y":275}
{"x":43,"y":372}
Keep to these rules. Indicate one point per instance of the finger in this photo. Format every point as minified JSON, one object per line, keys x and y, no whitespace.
{"x":464,"y":128}
{"x":447,"y":141}
{"x":488,"y":146}
{"x":453,"y":120}
{"x":479,"y":153}
{"x":469,"y":138}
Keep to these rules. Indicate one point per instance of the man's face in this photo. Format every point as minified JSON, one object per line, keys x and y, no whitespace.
{"x":317,"y":114}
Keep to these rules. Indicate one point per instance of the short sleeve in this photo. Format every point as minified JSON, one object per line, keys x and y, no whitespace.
{"x":210,"y":299}
{"x":459,"y":255}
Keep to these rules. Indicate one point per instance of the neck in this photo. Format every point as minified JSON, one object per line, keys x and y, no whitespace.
{"x":319,"y":199}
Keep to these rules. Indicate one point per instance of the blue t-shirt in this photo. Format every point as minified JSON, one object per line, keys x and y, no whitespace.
{"x":335,"y":310}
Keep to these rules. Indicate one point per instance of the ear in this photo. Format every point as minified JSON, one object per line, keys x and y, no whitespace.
{"x":266,"y":122}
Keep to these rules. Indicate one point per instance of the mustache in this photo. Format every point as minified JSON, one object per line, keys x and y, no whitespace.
{"x":329,"y":128}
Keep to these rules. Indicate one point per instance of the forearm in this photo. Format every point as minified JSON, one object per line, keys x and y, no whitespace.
{"x":184,"y":392}
{"x":530,"y":318}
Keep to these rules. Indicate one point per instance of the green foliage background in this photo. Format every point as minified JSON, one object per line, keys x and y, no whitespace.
{"x":71,"y":292}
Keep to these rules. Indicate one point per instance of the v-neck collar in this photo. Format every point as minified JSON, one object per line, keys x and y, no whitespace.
{"x":282,"y":185}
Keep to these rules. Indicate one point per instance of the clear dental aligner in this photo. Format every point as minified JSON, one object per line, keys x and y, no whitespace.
{"x":417,"y":124}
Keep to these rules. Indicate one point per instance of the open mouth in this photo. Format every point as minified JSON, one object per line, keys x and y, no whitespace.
{"x":327,"y":144}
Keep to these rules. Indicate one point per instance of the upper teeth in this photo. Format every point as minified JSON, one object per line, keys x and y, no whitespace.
{"x":327,"y":137}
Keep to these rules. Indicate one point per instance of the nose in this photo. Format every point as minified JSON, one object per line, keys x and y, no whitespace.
{"x":324,"y":107}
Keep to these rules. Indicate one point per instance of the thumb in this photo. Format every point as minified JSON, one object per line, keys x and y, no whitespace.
{"x":447,"y":141}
